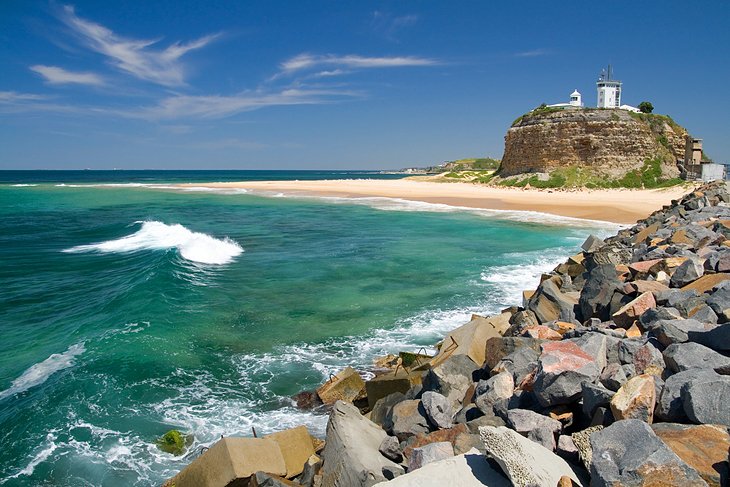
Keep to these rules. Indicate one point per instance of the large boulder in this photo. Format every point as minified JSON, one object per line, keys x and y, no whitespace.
{"x":430,"y":453}
{"x":630,"y":312}
{"x":628,"y":453}
{"x":346,"y":385}
{"x":549,"y":303}
{"x":717,"y":338}
{"x":720,"y":303}
{"x":687,"y":272}
{"x":706,"y":399}
{"x":562,"y":369}
{"x":471,"y":339}
{"x":493,"y":391}
{"x":670,"y":406}
{"x":407,"y":418}
{"x":541,"y":429}
{"x":524,"y":461}
{"x":296,"y":447}
{"x":595,"y":396}
{"x":703,"y":447}
{"x":451,"y":377}
{"x":635,"y":399}
{"x":438,"y":410}
{"x":351,"y":450}
{"x":676,"y":331}
{"x":520,"y":363}
{"x":381,"y":412}
{"x":595,"y":298}
{"x":470,"y":469}
{"x":685,"y":356}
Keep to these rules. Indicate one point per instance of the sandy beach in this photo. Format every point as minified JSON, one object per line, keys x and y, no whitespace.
{"x":613,"y":205}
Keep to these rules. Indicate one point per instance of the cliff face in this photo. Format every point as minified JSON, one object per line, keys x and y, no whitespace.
{"x":609,"y":142}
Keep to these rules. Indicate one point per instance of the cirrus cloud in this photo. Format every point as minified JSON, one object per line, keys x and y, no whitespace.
{"x":59,"y":76}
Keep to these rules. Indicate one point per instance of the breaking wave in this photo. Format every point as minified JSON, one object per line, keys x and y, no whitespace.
{"x":154,"y":235}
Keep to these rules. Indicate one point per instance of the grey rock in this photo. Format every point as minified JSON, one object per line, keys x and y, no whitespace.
{"x":523,"y":461}
{"x":430,"y":453}
{"x":563,"y":367}
{"x":717,"y":338}
{"x":390,"y":449}
{"x":544,"y":437}
{"x":628,"y":453}
{"x":613,"y":377}
{"x":648,"y":359}
{"x":689,"y":271}
{"x":592,"y":243}
{"x":452,"y":377}
{"x":655,"y":314}
{"x":408,"y":418}
{"x":550,"y":303}
{"x":629,"y":370}
{"x":582,"y":442}
{"x":705,"y":314}
{"x":566,"y":449}
{"x":351,"y":449}
{"x":486,"y":420}
{"x":670,"y":405}
{"x":706,"y":399}
{"x":671,"y":297}
{"x":520,"y":363}
{"x":595,"y":298}
{"x":595,"y":345}
{"x":595,"y":396}
{"x":493,"y":391}
{"x":380,"y":414}
{"x":628,"y":348}
{"x":674,"y":331}
{"x":685,"y":356}
{"x":263,"y":479}
{"x":467,"y":413}
{"x":311,"y":468}
{"x":438,"y":410}
{"x":523,"y":421}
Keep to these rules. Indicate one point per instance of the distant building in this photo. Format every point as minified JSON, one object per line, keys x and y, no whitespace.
{"x":575,"y":101}
{"x":609,"y":90}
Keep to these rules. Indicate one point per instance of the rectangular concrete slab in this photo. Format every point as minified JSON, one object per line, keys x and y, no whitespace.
{"x":296,"y":447}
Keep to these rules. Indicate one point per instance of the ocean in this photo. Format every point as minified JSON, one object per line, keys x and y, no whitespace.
{"x":129,"y":307}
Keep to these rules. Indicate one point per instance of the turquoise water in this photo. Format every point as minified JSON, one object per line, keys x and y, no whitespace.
{"x":129,"y":310}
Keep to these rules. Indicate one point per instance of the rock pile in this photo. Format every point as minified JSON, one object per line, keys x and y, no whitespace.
{"x":614,"y":371}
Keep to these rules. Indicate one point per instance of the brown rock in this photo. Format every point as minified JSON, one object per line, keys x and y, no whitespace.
{"x":642,"y":286}
{"x":626,"y":316}
{"x":642,"y":267}
{"x":471,"y":339}
{"x":565,"y":481}
{"x":633,"y":331}
{"x":643,"y":234}
{"x":438,"y":436}
{"x":541,"y":332}
{"x":703,"y":447}
{"x":296,"y":447}
{"x":707,"y":282}
{"x":635,"y":399}
{"x":346,"y":385}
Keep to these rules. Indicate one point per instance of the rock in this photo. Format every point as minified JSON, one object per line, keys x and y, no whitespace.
{"x":582,"y":442}
{"x":628,"y":453}
{"x":717,"y":338}
{"x":390,"y":449}
{"x":520,"y":363}
{"x":541,"y":332}
{"x":351,"y":449}
{"x":670,"y":406}
{"x":495,"y":390}
{"x":430,"y":453}
{"x":296,"y":447}
{"x":543,"y":437}
{"x":685,"y":356}
{"x":704,"y":314}
{"x":452,"y":377}
{"x":346,"y":385}
{"x":311,"y":469}
{"x":471,"y":339}
{"x":498,"y":348}
{"x":707,"y":282}
{"x":643,"y":286}
{"x":720,"y":303}
{"x":549,"y":303}
{"x":592,"y":244}
{"x":438,"y":436}
{"x":652,"y":315}
{"x":519,"y":321}
{"x":687,"y":272}
{"x":635,"y":399}
{"x":567,"y":450}
{"x":438,"y":409}
{"x":562,"y":369}
{"x":613,"y":377}
{"x":629,"y":313}
{"x":465,"y":442}
{"x":702,"y":447}
{"x":468,"y":470}
{"x":674,"y":331}
{"x":386,"y":384}
{"x":565,"y":481}
{"x":706,"y":399}
{"x":263,"y":479}
{"x":232,"y":460}
{"x":595,"y":396}
{"x":595,"y":298}
{"x":467,"y":413}
{"x":524,"y":421}
{"x":649,"y":360}
{"x":381,"y":412}
{"x":408,"y":418}
{"x":307,"y":400}
{"x":524,"y":462}
{"x":487,"y":420}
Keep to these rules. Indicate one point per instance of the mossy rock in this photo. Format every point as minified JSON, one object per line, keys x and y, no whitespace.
{"x":174,"y":442}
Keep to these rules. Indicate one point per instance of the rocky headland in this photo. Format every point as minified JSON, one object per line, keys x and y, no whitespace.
{"x":608,"y":142}
{"x":614,"y":371}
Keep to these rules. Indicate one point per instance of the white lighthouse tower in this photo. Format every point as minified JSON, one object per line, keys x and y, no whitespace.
{"x":609,"y":90}
{"x":575,"y":99}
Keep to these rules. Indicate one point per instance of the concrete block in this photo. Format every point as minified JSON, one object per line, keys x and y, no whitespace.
{"x":296,"y":448}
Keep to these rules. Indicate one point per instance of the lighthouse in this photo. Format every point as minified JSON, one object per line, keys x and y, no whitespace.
{"x":575,"y":99}
{"x":609,"y":90}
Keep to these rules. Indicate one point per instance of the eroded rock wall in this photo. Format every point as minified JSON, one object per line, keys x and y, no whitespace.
{"x":609,"y":142}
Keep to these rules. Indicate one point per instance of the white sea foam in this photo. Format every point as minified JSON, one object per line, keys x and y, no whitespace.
{"x":37,"y":459}
{"x":154,"y":235}
{"x":38,"y":373}
{"x":23,"y":185}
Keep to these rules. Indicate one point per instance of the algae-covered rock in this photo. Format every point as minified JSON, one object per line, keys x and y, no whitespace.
{"x":174,"y":442}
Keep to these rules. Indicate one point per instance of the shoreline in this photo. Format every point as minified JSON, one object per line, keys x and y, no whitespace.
{"x":621,"y":206}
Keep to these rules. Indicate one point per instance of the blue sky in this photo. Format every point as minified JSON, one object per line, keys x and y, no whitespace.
{"x":334,"y":84}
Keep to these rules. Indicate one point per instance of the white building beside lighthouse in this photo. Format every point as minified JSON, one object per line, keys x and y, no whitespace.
{"x":609,"y":90}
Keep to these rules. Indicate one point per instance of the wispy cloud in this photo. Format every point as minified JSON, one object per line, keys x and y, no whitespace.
{"x":388,"y":25}
{"x":15,"y":97}
{"x":59,"y":76}
{"x":222,"y":106}
{"x":135,"y":56}
{"x":533,"y":53}
{"x":310,"y":61}
{"x":14,"y":102}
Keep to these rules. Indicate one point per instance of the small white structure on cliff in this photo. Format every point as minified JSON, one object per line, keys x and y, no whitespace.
{"x":575,"y":101}
{"x":609,"y":90}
